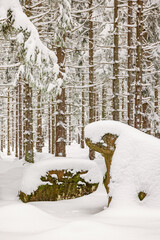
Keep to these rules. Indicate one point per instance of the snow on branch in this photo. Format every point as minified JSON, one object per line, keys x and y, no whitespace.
{"x":31,"y":50}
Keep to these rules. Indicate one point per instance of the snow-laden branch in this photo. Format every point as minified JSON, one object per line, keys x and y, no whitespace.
{"x":27,"y":35}
{"x":9,"y":66}
{"x":89,"y":9}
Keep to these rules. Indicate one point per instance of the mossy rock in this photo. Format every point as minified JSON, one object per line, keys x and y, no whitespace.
{"x":60,"y":185}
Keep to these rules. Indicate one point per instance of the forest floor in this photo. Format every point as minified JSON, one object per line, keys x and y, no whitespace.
{"x":82,"y":218}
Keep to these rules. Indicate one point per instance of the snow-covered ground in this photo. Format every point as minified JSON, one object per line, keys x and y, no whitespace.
{"x":83,"y":218}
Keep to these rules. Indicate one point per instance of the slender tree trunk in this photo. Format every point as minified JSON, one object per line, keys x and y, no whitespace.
{"x":13,"y":118}
{"x":138,"y":85}
{"x":49,"y":128}
{"x":83,"y":114}
{"x":97,"y":107}
{"x":130,"y":64}
{"x":146,"y":98}
{"x":29,"y":155}
{"x":116,"y":65}
{"x":8,"y":124}
{"x":70,"y":118}
{"x":53,"y":129}
{"x":20,"y":118}
{"x":91,"y":75}
{"x":104,"y":102}
{"x":61,"y":110}
{"x":39,"y":123}
{"x":156,"y":108}
{"x":17,"y":107}
{"x":2,"y":135}
{"x":2,"y":128}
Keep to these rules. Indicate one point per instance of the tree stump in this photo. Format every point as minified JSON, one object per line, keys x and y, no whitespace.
{"x":106,"y":146}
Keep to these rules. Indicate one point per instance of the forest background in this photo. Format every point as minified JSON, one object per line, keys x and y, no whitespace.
{"x":108,"y":55}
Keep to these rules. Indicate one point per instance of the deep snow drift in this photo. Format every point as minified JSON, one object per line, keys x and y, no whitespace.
{"x":135,"y":165}
{"x":135,"y":161}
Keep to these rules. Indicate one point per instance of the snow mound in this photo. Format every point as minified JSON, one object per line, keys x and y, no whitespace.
{"x":135,"y":165}
{"x":26,"y":218}
{"x":32,"y":173}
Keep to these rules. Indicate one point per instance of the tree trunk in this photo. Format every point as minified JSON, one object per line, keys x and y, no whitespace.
{"x":104,"y":102}
{"x":20,"y":118}
{"x":8,"y":124}
{"x":28,"y":135}
{"x":70,"y":118}
{"x":49,"y":128}
{"x":13,"y":118}
{"x":116,"y":65}
{"x":17,"y":107}
{"x":156,"y":108}
{"x":130,"y":64}
{"x":91,"y":75}
{"x":61,"y":110}
{"x":39,"y":123}
{"x":2,"y":135}
{"x":83,"y":114}
{"x":138,"y":84}
{"x":53,"y":129}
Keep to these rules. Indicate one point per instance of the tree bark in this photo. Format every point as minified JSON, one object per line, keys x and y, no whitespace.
{"x":53,"y":129}
{"x":83,"y":114}
{"x":49,"y":128}
{"x":20,"y":143}
{"x":13,"y":118}
{"x":138,"y":84}
{"x":28,"y":135}
{"x":39,"y":123}
{"x":116,"y":65}
{"x":17,"y":107}
{"x":91,"y":75}
{"x":8,"y":124}
{"x":130,"y":65}
{"x":61,"y":110}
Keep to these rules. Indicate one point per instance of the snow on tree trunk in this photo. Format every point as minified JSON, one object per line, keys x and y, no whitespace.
{"x":61,"y":109}
{"x":28,"y":122}
{"x":53,"y":127}
{"x":20,"y":143}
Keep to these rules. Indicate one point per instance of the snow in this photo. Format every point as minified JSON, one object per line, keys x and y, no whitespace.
{"x":15,"y":212}
{"x":23,"y":24}
{"x":88,"y":217}
{"x":135,"y":165}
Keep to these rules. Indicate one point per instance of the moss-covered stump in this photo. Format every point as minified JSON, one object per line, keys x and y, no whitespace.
{"x":106,"y":146}
{"x":60,"y":185}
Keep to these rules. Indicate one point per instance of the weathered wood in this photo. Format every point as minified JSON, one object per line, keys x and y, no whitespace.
{"x":106,"y":146}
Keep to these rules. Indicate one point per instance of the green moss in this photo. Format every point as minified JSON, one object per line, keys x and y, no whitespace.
{"x":67,"y":187}
{"x":29,"y":157}
{"x":142,"y":195}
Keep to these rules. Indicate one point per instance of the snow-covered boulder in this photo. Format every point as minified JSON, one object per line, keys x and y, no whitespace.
{"x":135,"y":162}
{"x":59,"y":179}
